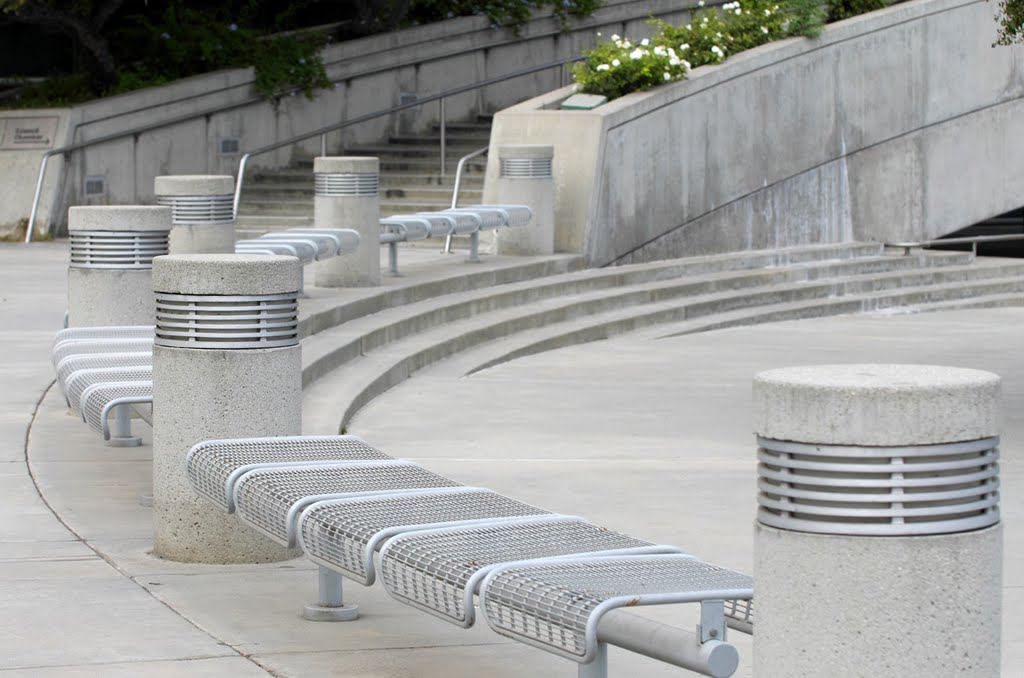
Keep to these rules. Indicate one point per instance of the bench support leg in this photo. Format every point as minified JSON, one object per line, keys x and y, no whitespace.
{"x":329,"y":605}
{"x":598,"y":668}
{"x":474,"y":248}
{"x":121,"y":430}
{"x":393,"y":259}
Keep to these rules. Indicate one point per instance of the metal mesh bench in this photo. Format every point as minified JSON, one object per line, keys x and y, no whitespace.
{"x":214,"y":466}
{"x":558,"y":605}
{"x":103,"y":332}
{"x":74,"y":363}
{"x":80,"y":380}
{"x":324,"y":245}
{"x":270,"y":499}
{"x":343,"y":534}
{"x":99,"y":401}
{"x":440,"y":570}
{"x":344,"y":240}
{"x":90,"y":346}
{"x":402,"y":228}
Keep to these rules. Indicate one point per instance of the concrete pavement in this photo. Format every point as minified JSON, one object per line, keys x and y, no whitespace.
{"x":649,"y":436}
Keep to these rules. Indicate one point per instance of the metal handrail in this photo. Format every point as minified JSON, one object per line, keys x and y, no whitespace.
{"x":973,"y":240}
{"x":439,"y":96}
{"x":458,"y":184}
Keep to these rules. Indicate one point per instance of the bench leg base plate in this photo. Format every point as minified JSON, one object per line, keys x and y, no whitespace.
{"x":133,"y":441}
{"x":330,"y":614}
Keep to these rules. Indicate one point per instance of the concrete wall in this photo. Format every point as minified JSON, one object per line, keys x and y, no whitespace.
{"x":892,"y":126}
{"x":370,"y":75}
{"x":24,"y":137}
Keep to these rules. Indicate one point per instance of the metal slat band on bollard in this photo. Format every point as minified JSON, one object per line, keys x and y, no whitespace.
{"x":199,"y":209}
{"x":878,"y":491}
{"x":331,"y":185}
{"x":116,"y":249}
{"x":526,"y":168}
{"x":227,"y":322}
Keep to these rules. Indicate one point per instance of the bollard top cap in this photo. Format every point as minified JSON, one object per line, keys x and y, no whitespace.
{"x":868,"y":404}
{"x":226,"y":274}
{"x":350,"y":164}
{"x":194,"y":184}
{"x":119,"y":218}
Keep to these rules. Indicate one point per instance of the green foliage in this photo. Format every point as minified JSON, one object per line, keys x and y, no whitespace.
{"x":619,"y":67}
{"x":56,"y":91}
{"x":1011,"y":22}
{"x":186,"y":41}
{"x":710,"y":37}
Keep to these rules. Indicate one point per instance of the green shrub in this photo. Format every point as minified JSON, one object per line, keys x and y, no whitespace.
{"x":844,"y":9}
{"x":1010,"y":17}
{"x":619,"y":67}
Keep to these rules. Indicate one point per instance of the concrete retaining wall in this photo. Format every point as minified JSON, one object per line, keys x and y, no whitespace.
{"x":371,"y":74}
{"x":891,"y":126}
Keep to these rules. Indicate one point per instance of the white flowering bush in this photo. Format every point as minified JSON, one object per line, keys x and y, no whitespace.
{"x":618,"y":67}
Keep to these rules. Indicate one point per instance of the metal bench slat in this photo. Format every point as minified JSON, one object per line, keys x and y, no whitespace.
{"x":438,"y":571}
{"x":270,"y":499}
{"x":556,"y":605}
{"x":343,"y":534}
{"x":214,"y":466}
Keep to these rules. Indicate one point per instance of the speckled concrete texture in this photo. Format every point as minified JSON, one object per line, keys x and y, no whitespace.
{"x":202,"y":239}
{"x":194,"y":184}
{"x":538,"y":236}
{"x":361,"y":213}
{"x":227,"y":274}
{"x":98,"y":296}
{"x":876,"y":404}
{"x":119,"y":218}
{"x":204,"y":394}
{"x":913,"y":607}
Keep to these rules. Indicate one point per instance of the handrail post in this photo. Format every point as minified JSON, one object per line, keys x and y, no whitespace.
{"x":443,"y":136}
{"x":455,"y":190}
{"x":35,"y":200}
{"x":238,"y":185}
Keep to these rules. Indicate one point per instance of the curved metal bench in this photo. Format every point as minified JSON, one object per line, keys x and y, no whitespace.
{"x":79,"y":381}
{"x":99,"y":401}
{"x":440,"y":570}
{"x":402,"y":228}
{"x":558,"y":605}
{"x":345,"y":240}
{"x":74,"y":363}
{"x":304,"y":250}
{"x":73,"y":347}
{"x":324,"y":245}
{"x":214,"y":466}
{"x":103,"y":332}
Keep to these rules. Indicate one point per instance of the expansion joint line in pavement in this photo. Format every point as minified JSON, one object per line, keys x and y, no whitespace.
{"x":103,"y":556}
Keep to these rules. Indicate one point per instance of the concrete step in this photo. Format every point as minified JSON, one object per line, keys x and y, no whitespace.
{"x":462,"y":137}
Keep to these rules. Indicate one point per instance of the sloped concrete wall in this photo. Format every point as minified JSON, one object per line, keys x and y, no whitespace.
{"x":892,"y":126}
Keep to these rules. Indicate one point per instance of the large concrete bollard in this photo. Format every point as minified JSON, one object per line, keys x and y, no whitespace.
{"x":346,"y":195}
{"x":226,"y":364}
{"x":202,"y":210}
{"x":525,"y":178}
{"x":878,"y":546}
{"x":110,"y":274}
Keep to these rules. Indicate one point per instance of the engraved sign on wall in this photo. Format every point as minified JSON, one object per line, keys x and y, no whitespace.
{"x":23,"y":134}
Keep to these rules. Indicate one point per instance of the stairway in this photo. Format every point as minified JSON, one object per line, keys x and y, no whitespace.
{"x":469,"y":321}
{"x":410,"y":179}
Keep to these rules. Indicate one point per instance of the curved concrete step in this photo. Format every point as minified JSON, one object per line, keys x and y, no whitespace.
{"x":383,"y":351}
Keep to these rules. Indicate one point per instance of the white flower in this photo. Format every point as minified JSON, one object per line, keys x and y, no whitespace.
{"x":599,"y":34}
{"x":616,"y":63}
{"x":603,"y":67}
{"x":668,"y":76}
{"x":683,"y":47}
{"x":615,"y":37}
{"x":718,"y":35}
{"x":739,"y":11}
{"x":645,"y":42}
{"x":660,"y":51}
{"x":701,"y":3}
{"x":636,"y":54}
{"x":767,"y":12}
{"x":764,"y":29}
{"x":689,"y":27}
{"x":686,"y":64}
{"x":717,"y":51}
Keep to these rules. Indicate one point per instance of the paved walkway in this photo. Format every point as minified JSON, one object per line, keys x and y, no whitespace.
{"x":647,"y":436}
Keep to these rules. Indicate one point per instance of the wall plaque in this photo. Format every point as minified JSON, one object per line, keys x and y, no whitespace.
{"x":17,"y":134}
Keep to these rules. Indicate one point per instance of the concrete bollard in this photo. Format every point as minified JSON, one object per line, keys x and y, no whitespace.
{"x":346,"y":195}
{"x":110,"y":274}
{"x":202,"y":210}
{"x":525,"y":178}
{"x":226,"y":364}
{"x":878,"y":544}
